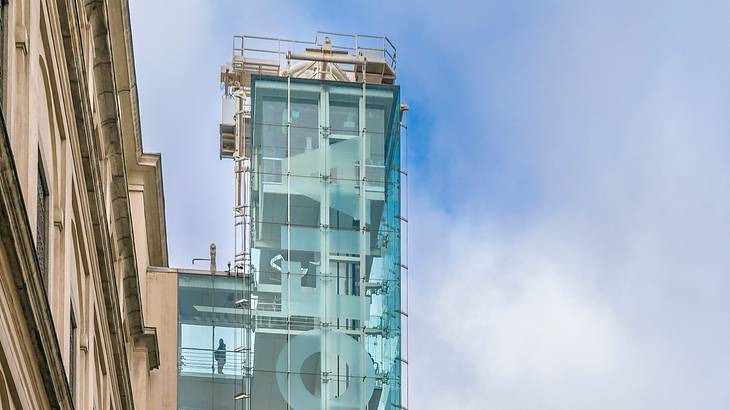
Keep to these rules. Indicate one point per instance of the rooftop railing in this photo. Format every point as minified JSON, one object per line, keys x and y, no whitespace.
{"x":273,"y":51}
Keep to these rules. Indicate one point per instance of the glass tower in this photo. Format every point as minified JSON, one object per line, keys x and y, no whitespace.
{"x":325,"y":245}
{"x":308,"y":315}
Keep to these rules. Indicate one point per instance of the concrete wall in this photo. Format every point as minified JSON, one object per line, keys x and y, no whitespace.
{"x":162,"y":314}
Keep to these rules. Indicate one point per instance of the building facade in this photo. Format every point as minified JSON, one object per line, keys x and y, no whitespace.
{"x":81,"y":212}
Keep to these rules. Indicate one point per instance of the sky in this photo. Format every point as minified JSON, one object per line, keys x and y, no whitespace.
{"x":569,"y":186}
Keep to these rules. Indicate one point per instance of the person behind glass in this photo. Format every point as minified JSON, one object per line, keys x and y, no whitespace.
{"x":220,"y":355}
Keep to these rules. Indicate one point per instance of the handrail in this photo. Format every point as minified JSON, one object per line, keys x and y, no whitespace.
{"x":274,"y":39}
{"x":354,"y":44}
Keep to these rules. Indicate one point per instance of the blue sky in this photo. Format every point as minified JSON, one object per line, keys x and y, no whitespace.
{"x":569,"y":195}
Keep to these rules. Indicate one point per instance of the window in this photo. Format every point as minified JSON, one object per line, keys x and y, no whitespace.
{"x":72,"y":358}
{"x":42,"y":222}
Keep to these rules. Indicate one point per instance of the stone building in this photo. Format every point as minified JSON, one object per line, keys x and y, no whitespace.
{"x":81,"y":212}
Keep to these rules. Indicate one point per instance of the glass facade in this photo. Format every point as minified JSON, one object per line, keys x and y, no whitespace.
{"x":209,"y":377}
{"x":325,"y":211}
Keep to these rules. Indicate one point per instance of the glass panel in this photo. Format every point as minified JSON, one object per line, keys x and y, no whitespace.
{"x":344,"y":204}
{"x":343,"y":158}
{"x":272,"y":127}
{"x":305,"y":204}
{"x":295,"y":197}
{"x":211,"y":329}
{"x":344,"y":113}
{"x":305,"y":155}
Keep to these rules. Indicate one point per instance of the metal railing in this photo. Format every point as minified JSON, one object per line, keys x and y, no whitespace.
{"x":262,"y":51}
{"x":362,"y":44}
{"x":203,"y":361}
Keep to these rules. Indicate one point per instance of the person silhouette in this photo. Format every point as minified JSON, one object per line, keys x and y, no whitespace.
{"x":220,"y":355}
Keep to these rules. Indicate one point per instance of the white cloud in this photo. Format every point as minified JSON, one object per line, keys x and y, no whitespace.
{"x":609,"y":290}
{"x":493,"y":318}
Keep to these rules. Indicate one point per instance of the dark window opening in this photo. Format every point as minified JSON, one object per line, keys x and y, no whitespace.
{"x":42,"y":217}
{"x":42,"y":222}
{"x":72,"y":358}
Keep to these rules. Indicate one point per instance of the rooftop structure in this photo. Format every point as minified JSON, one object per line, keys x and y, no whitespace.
{"x":339,"y":57}
{"x":330,"y":56}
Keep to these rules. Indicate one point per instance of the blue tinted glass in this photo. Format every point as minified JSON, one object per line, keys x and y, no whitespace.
{"x":326,"y":237}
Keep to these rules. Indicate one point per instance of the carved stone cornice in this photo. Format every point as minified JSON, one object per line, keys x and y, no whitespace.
{"x":70,"y":20}
{"x":105,"y":86}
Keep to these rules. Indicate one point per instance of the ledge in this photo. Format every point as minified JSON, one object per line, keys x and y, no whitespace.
{"x":148,"y":340}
